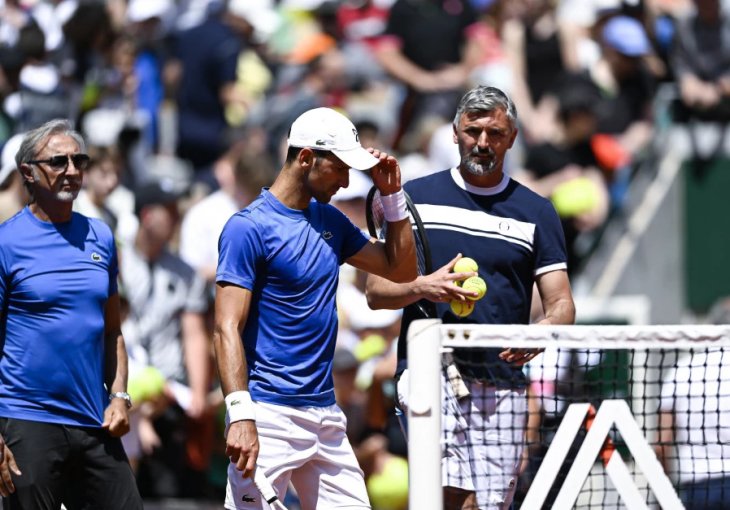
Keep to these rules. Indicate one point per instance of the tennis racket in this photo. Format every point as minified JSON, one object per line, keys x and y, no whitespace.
{"x":267,"y":491}
{"x":377,"y":227}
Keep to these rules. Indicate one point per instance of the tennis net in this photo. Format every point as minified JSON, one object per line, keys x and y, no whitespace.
{"x":606,"y":417}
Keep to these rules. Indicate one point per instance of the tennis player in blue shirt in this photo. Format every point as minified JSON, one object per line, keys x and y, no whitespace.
{"x":276,"y":319}
{"x":63,"y":363}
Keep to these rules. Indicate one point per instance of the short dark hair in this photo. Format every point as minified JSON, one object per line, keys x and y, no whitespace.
{"x":486,"y":99}
{"x":293,"y":152}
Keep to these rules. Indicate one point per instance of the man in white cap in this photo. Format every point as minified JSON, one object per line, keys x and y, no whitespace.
{"x":276,"y":318}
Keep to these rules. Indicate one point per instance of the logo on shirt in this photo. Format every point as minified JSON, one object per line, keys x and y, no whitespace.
{"x":327,"y":235}
{"x":247,"y":499}
{"x":96,"y":257}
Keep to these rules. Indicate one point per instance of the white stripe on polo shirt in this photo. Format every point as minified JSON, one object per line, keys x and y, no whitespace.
{"x":477,"y":223}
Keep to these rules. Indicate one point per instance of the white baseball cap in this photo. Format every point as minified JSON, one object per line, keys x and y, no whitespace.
{"x":10,"y":149}
{"x":328,"y":130}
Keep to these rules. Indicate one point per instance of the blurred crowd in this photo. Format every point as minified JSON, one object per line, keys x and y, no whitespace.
{"x":185,"y":106}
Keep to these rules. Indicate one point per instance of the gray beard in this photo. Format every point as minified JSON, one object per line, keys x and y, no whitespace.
{"x":66,"y":196}
{"x":478,"y":169}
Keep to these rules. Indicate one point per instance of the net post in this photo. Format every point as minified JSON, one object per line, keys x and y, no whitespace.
{"x":424,"y":414}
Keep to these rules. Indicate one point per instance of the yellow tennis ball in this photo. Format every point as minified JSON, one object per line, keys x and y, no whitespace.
{"x":462,"y":308}
{"x":575,"y":197}
{"x":475,"y":284}
{"x":145,"y":384}
{"x":466,"y":265}
{"x":388,"y":490}
{"x":369,"y":347}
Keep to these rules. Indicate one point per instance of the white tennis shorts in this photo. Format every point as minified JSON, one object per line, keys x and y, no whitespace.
{"x":482,"y":439}
{"x":306,"y":446}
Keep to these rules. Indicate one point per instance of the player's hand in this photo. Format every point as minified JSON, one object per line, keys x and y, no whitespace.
{"x":386,"y":174}
{"x":7,"y":465}
{"x":242,"y":446}
{"x":519,"y":356}
{"x":116,"y":418}
{"x":440,"y":286}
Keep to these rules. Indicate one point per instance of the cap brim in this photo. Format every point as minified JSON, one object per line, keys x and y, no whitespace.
{"x":357,"y":158}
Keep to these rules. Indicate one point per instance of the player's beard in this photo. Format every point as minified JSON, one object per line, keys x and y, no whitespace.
{"x":477,"y":167}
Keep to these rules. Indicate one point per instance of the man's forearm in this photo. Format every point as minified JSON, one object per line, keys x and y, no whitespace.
{"x":385,"y":294}
{"x":561,"y":311}
{"x":400,"y":250}
{"x":230,"y":360}
{"x":115,"y":367}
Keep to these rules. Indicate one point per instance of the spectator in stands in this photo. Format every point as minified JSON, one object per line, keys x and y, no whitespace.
{"x":106,"y":131}
{"x":166,"y":319}
{"x":42,"y":94}
{"x":88,"y":35}
{"x":13,"y":195}
{"x":147,"y":23}
{"x":241,"y":173}
{"x":566,"y":169}
{"x":207,"y":59}
{"x":539,"y":53}
{"x":700,"y":60}
{"x":100,"y":180}
{"x":361,"y":24}
{"x":627,"y":84}
{"x":695,"y":416}
{"x":321,"y":81}
{"x":428,"y":47}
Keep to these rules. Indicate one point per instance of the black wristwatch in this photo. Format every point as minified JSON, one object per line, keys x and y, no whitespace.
{"x":122,"y":394}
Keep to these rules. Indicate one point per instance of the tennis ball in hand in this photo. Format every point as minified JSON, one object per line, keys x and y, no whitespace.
{"x":466,"y":265}
{"x":462,"y":308}
{"x":475,"y":284}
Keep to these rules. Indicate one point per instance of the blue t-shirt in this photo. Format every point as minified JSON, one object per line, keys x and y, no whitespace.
{"x":511,"y":232}
{"x":55,"y":280}
{"x":289,"y":259}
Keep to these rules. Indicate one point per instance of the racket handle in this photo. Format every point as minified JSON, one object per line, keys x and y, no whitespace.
{"x":267,"y":491}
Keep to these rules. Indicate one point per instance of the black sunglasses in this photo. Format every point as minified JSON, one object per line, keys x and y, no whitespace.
{"x":60,"y":162}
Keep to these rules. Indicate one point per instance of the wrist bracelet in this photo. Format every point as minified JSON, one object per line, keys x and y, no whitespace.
{"x":394,"y":206}
{"x":239,"y":406}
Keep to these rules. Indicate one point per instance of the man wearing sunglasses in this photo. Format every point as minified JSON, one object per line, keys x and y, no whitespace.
{"x":63,"y":362}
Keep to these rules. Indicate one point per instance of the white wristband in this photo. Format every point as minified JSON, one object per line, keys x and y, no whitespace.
{"x":239,"y":406}
{"x":394,"y":206}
